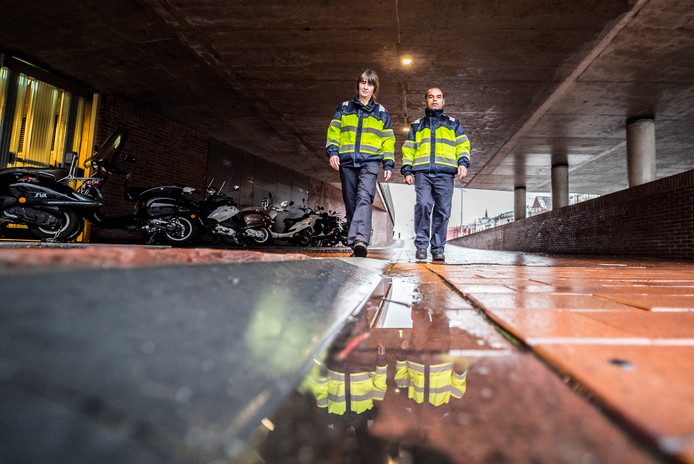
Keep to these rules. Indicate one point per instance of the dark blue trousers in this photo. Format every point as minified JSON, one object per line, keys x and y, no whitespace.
{"x":432,"y":210}
{"x":358,"y":191}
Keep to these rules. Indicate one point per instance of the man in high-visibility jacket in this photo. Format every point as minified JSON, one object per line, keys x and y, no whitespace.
{"x":360,"y":138}
{"x":420,"y":369}
{"x":435,"y":152}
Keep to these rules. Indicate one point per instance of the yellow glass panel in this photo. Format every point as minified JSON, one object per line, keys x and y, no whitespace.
{"x":40,"y":123}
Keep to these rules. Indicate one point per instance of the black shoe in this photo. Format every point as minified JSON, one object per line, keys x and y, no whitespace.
{"x":438,"y":256}
{"x":420,"y":254}
{"x":360,"y":250}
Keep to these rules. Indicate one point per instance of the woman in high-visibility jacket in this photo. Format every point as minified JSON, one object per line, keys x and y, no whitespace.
{"x":350,"y":385}
{"x":359,"y":139}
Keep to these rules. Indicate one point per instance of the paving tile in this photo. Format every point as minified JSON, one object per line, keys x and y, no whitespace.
{"x":412,"y":271}
{"x":606,"y":290}
{"x":653,"y":302}
{"x":536,"y":287}
{"x":541,"y":301}
{"x":470,"y":325}
{"x":438,"y":295}
{"x":651,"y":387}
{"x":533,"y":326}
{"x":677,"y":327}
{"x":468,"y":289}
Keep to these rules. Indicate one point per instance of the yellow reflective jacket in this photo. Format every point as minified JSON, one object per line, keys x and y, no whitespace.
{"x":329,"y":387}
{"x":435,"y":144}
{"x":361,"y":133}
{"x":442,"y":382}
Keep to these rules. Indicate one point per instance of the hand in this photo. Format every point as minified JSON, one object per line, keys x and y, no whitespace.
{"x":381,"y":349}
{"x":462,"y":172}
{"x":409,"y":179}
{"x":386,"y":175}
{"x":335,"y":162}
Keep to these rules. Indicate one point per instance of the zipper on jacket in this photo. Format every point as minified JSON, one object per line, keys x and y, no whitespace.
{"x":432,"y":145}
{"x":357,"y":142}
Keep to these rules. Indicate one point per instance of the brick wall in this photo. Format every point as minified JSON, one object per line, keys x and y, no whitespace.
{"x":653,"y":220}
{"x":165,"y":153}
{"x":168,"y":153}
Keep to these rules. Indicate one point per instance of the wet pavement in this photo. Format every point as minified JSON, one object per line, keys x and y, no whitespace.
{"x":530,"y":358}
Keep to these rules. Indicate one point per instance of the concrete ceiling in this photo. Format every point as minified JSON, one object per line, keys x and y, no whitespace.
{"x":534,"y":82}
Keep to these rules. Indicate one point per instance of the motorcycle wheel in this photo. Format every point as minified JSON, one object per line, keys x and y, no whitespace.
{"x":71,"y":225}
{"x":184,"y":234}
{"x":332,"y":240}
{"x":302,"y":239}
{"x":263,"y":238}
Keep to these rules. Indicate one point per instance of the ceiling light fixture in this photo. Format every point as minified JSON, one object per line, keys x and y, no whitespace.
{"x":407,"y":61}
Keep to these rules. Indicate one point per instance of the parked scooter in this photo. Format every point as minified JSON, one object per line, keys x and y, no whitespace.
{"x":222,"y":219}
{"x":41,"y":200}
{"x":297,"y":231}
{"x":161,"y":213}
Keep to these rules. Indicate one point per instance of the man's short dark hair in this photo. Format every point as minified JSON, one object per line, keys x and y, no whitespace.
{"x":426,"y":94}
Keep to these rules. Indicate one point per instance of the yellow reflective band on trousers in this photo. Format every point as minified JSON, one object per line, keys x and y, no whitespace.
{"x":443,"y":382}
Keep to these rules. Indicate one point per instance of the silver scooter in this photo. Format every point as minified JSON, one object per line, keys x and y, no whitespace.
{"x":298,"y":231}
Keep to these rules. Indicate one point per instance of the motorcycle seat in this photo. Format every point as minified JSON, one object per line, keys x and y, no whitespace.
{"x":55,"y":173}
{"x":131,"y":193}
{"x":291,"y":221}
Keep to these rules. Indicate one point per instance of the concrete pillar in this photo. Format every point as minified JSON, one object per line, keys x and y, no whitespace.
{"x":519,"y":201}
{"x":640,"y":151}
{"x":560,"y":185}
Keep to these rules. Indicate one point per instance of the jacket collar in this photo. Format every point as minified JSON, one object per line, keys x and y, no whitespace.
{"x":369,"y":106}
{"x":434,"y":113}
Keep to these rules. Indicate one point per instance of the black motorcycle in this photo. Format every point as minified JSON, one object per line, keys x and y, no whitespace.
{"x":163,"y":213}
{"x":43,"y":200}
{"x":328,"y":229}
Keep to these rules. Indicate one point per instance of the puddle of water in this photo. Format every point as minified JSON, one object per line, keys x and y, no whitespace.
{"x":408,"y":383}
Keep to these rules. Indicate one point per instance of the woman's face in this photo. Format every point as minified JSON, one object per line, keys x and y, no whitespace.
{"x":366,"y":90}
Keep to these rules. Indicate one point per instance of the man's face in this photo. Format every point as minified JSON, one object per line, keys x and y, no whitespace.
{"x":435,"y":99}
{"x":366,"y":89}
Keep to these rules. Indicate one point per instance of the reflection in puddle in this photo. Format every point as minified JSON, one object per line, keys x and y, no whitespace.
{"x":379,"y":391}
{"x":411,"y":380}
